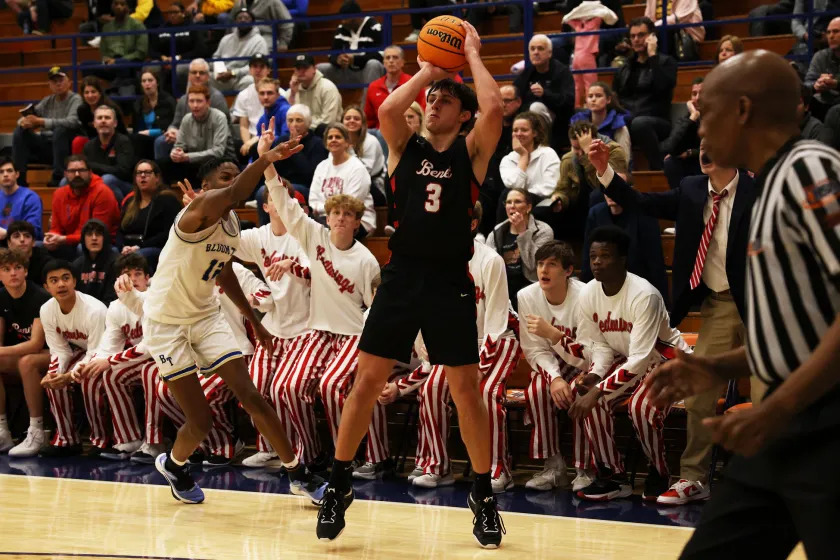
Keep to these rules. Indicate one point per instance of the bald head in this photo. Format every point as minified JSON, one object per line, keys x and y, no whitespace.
{"x":832,"y":34}
{"x":751,"y":96}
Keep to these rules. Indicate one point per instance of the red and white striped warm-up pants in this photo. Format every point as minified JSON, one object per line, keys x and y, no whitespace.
{"x":61,"y":403}
{"x":435,"y":412}
{"x":335,"y":386}
{"x":266,"y":368}
{"x":119,"y":382}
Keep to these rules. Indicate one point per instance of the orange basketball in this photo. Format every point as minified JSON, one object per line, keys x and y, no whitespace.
{"x":441,"y":42}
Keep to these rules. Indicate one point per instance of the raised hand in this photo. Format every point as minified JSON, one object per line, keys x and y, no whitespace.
{"x":435,"y":72}
{"x":472,"y":42}
{"x":266,"y":138}
{"x":123,"y":285}
{"x":585,"y":139}
{"x":285,"y":150}
{"x":599,"y":156}
{"x":187,"y":190}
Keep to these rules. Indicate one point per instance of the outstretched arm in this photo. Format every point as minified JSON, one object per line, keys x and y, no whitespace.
{"x":209,"y":206}
{"x":481,"y":142}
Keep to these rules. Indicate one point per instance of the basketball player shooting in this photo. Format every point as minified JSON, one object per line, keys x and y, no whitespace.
{"x":185,"y":332}
{"x":426,"y":287}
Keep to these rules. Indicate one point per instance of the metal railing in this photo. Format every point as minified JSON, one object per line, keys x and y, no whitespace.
{"x":529,"y":19}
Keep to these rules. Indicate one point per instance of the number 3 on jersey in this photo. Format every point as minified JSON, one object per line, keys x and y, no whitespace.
{"x":433,"y":199}
{"x":213,"y":270}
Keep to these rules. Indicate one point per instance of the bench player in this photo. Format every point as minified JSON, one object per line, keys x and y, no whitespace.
{"x":426,"y":287}
{"x":184,"y":329}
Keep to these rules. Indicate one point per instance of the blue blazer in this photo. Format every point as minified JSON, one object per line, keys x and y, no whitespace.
{"x":685,"y":205}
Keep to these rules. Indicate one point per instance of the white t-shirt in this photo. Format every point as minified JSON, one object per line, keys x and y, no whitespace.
{"x":342,"y":281}
{"x":81,"y":329}
{"x":122,"y":329}
{"x":540,"y":177}
{"x":287,"y":309}
{"x":351,"y":178}
{"x":184,"y":288}
{"x":538,"y":350}
{"x":373,"y":157}
{"x":633,"y":323}
{"x":250,"y":285}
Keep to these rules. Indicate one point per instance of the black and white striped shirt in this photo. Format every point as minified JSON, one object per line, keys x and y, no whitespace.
{"x":793,"y":263}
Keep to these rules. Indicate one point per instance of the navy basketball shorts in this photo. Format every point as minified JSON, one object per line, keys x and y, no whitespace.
{"x":431,"y":297}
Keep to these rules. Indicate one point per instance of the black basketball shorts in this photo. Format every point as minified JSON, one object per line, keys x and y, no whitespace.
{"x":437,"y":299}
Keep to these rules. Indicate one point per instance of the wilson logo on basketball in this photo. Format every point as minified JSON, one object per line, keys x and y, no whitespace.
{"x":444,"y":37}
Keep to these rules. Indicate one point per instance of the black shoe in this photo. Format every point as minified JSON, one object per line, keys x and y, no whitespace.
{"x":321,"y":464}
{"x":331,"y":514}
{"x":114,"y":454}
{"x":488,"y":527}
{"x":216,"y":461}
{"x":604,"y":489}
{"x":61,"y":450}
{"x":196,"y":458}
{"x":94,"y":452}
{"x":655,"y":485}
{"x":143,"y":458}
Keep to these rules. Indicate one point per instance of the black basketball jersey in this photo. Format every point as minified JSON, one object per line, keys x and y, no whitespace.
{"x":431,"y":199}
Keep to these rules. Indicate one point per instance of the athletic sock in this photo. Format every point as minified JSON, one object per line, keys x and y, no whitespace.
{"x":482,"y":487}
{"x":341,"y":475}
{"x":172,"y":464}
{"x":297,"y":473}
{"x":37,"y":423}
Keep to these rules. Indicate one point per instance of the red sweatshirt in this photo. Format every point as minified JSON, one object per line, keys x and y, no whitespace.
{"x":376,"y":94}
{"x":70,"y":212}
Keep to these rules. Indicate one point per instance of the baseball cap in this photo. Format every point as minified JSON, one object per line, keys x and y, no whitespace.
{"x":56,"y":72}
{"x":304,"y":61}
{"x":258,"y":58}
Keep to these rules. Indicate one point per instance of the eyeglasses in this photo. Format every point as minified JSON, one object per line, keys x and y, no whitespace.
{"x":76,"y":171}
{"x":144,"y":173}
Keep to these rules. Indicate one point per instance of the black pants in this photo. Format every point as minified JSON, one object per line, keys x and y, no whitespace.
{"x":417,"y":20}
{"x":647,"y":133}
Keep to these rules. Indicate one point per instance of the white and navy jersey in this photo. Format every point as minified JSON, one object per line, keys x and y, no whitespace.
{"x":286,"y":306}
{"x":122,"y":330}
{"x":793,"y":263}
{"x":242,"y":330}
{"x":633,"y":323}
{"x":81,"y":329}
{"x":183,"y":290}
{"x":342,"y":281}
{"x":538,"y":350}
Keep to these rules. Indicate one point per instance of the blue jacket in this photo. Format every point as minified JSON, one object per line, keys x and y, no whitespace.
{"x":613,"y":122}
{"x":24,"y":205}
{"x":279,"y":114}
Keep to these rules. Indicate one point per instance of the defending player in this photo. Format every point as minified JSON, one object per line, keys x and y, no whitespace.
{"x":184,"y":329}
{"x":434,"y":181}
{"x":622,"y":314}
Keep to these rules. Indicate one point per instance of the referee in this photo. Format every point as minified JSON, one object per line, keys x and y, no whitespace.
{"x":781,"y":486}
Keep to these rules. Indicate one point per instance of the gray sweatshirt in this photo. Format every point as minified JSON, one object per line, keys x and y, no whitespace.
{"x":56,"y":112}
{"x":204,"y":139}
{"x":217,"y":101}
{"x":232,"y":45}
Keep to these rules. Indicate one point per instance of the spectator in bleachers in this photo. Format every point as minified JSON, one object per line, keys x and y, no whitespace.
{"x":199,"y":76}
{"x":44,"y":135}
{"x":36,"y":16}
{"x":476,"y":16}
{"x":111,"y":154}
{"x":204,"y":133}
{"x":269,"y":10}
{"x":300,"y":168}
{"x":586,"y":17}
{"x":341,"y":173}
{"x":775,"y":27}
{"x":645,"y":85}
{"x":578,"y":188}
{"x":823,"y":71}
{"x":17,"y":202}
{"x":491,"y":192}
{"x":414,"y":118}
{"x":366,"y":147}
{"x":604,"y":111}
{"x":379,"y":89}
{"x":99,"y":13}
{"x":682,"y":147}
{"x":188,"y":44}
{"x":247,"y":110}
{"x":679,"y":11}
{"x":820,"y":22}
{"x":23,"y":356}
{"x":152,"y":115}
{"x":549,"y":82}
{"x":419,"y":19}
{"x":727,"y":47}
{"x":148,"y":215}
{"x":245,"y":41}
{"x":93,"y":97}
{"x":85,"y":196}
{"x":121,"y":48}
{"x":309,"y":87}
{"x":517,"y":239}
{"x":811,"y":127}
{"x":644,"y":257}
{"x":95,"y":266}
{"x":146,"y":12}
{"x":532,"y":165}
{"x":352,"y":34}
{"x":21,"y":238}
{"x":274,"y":106}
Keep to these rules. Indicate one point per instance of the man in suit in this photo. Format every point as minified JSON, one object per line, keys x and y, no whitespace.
{"x":644,"y":256}
{"x":712,"y":215}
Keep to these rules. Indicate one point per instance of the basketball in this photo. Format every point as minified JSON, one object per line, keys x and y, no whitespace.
{"x":441,"y":42}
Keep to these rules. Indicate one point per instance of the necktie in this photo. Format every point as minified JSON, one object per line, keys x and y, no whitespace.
{"x":705,"y":240}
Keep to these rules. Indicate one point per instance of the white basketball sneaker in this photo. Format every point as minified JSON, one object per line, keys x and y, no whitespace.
{"x":262,"y":459}
{"x":552,"y":476}
{"x":31,"y":445}
{"x":504,"y":482}
{"x":418,"y":471}
{"x":6,"y":441}
{"x":584,"y":478}
{"x":433,"y":480}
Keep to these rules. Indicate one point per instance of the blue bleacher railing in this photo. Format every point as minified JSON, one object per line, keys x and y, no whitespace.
{"x":529,"y":20}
